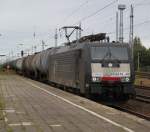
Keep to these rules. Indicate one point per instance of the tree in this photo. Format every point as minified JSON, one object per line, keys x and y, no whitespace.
{"x":143,"y":53}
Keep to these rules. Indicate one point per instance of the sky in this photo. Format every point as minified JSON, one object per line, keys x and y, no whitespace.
{"x":20,"y":19}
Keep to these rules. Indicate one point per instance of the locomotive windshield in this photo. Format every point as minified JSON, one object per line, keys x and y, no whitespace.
{"x":101,"y":53}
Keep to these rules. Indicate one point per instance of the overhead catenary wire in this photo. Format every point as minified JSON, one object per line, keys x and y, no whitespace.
{"x":76,"y":10}
{"x":135,"y":5}
{"x":127,"y":9}
{"x":143,"y":4}
{"x":135,"y":25}
{"x":96,"y":12}
{"x":140,"y":3}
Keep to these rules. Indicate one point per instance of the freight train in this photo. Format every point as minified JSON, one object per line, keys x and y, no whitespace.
{"x":91,"y":65}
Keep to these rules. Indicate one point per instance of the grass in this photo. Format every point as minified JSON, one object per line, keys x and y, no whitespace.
{"x":5,"y":71}
{"x":142,"y":81}
{"x":9,"y":129}
{"x":136,"y":81}
{"x":1,"y":108}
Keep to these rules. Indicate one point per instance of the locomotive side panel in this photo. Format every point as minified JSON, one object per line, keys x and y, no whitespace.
{"x":64,"y":69}
{"x":85,"y":70}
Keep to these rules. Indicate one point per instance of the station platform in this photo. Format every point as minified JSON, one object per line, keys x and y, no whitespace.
{"x":31,"y":106}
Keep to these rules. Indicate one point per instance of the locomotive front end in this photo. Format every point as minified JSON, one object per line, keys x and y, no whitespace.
{"x":112,"y":72}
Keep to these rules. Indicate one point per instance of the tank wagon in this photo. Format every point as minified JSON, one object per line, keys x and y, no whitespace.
{"x":90,"y":67}
{"x":19,"y":65}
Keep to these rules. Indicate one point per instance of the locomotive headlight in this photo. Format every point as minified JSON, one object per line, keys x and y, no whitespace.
{"x":94,"y":79}
{"x":125,"y":79}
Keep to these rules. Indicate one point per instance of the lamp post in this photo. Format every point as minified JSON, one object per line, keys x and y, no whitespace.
{"x":43,"y":45}
{"x":138,"y":61}
{"x":22,"y":53}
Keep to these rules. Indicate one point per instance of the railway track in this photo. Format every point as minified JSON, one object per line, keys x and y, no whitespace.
{"x":137,"y":107}
{"x":143,"y":74}
{"x":142,"y":94}
{"x":126,"y":109}
{"x":143,"y":98}
{"x":140,"y":106}
{"x":142,"y":87}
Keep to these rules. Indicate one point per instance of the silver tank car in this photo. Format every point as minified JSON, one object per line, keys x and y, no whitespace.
{"x":44,"y":61}
{"x":19,"y":63}
{"x":27,"y":67}
{"x":40,"y":64}
{"x":36,"y":65}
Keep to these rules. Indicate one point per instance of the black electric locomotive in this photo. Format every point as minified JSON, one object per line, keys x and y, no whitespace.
{"x":94,"y":68}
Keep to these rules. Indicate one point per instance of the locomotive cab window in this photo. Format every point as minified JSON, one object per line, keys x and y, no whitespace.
{"x":109,"y":52}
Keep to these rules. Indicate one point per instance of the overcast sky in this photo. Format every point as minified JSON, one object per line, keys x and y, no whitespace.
{"x":19,"y":19}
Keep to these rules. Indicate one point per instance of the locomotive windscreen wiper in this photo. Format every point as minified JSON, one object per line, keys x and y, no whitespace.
{"x":110,"y":55}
